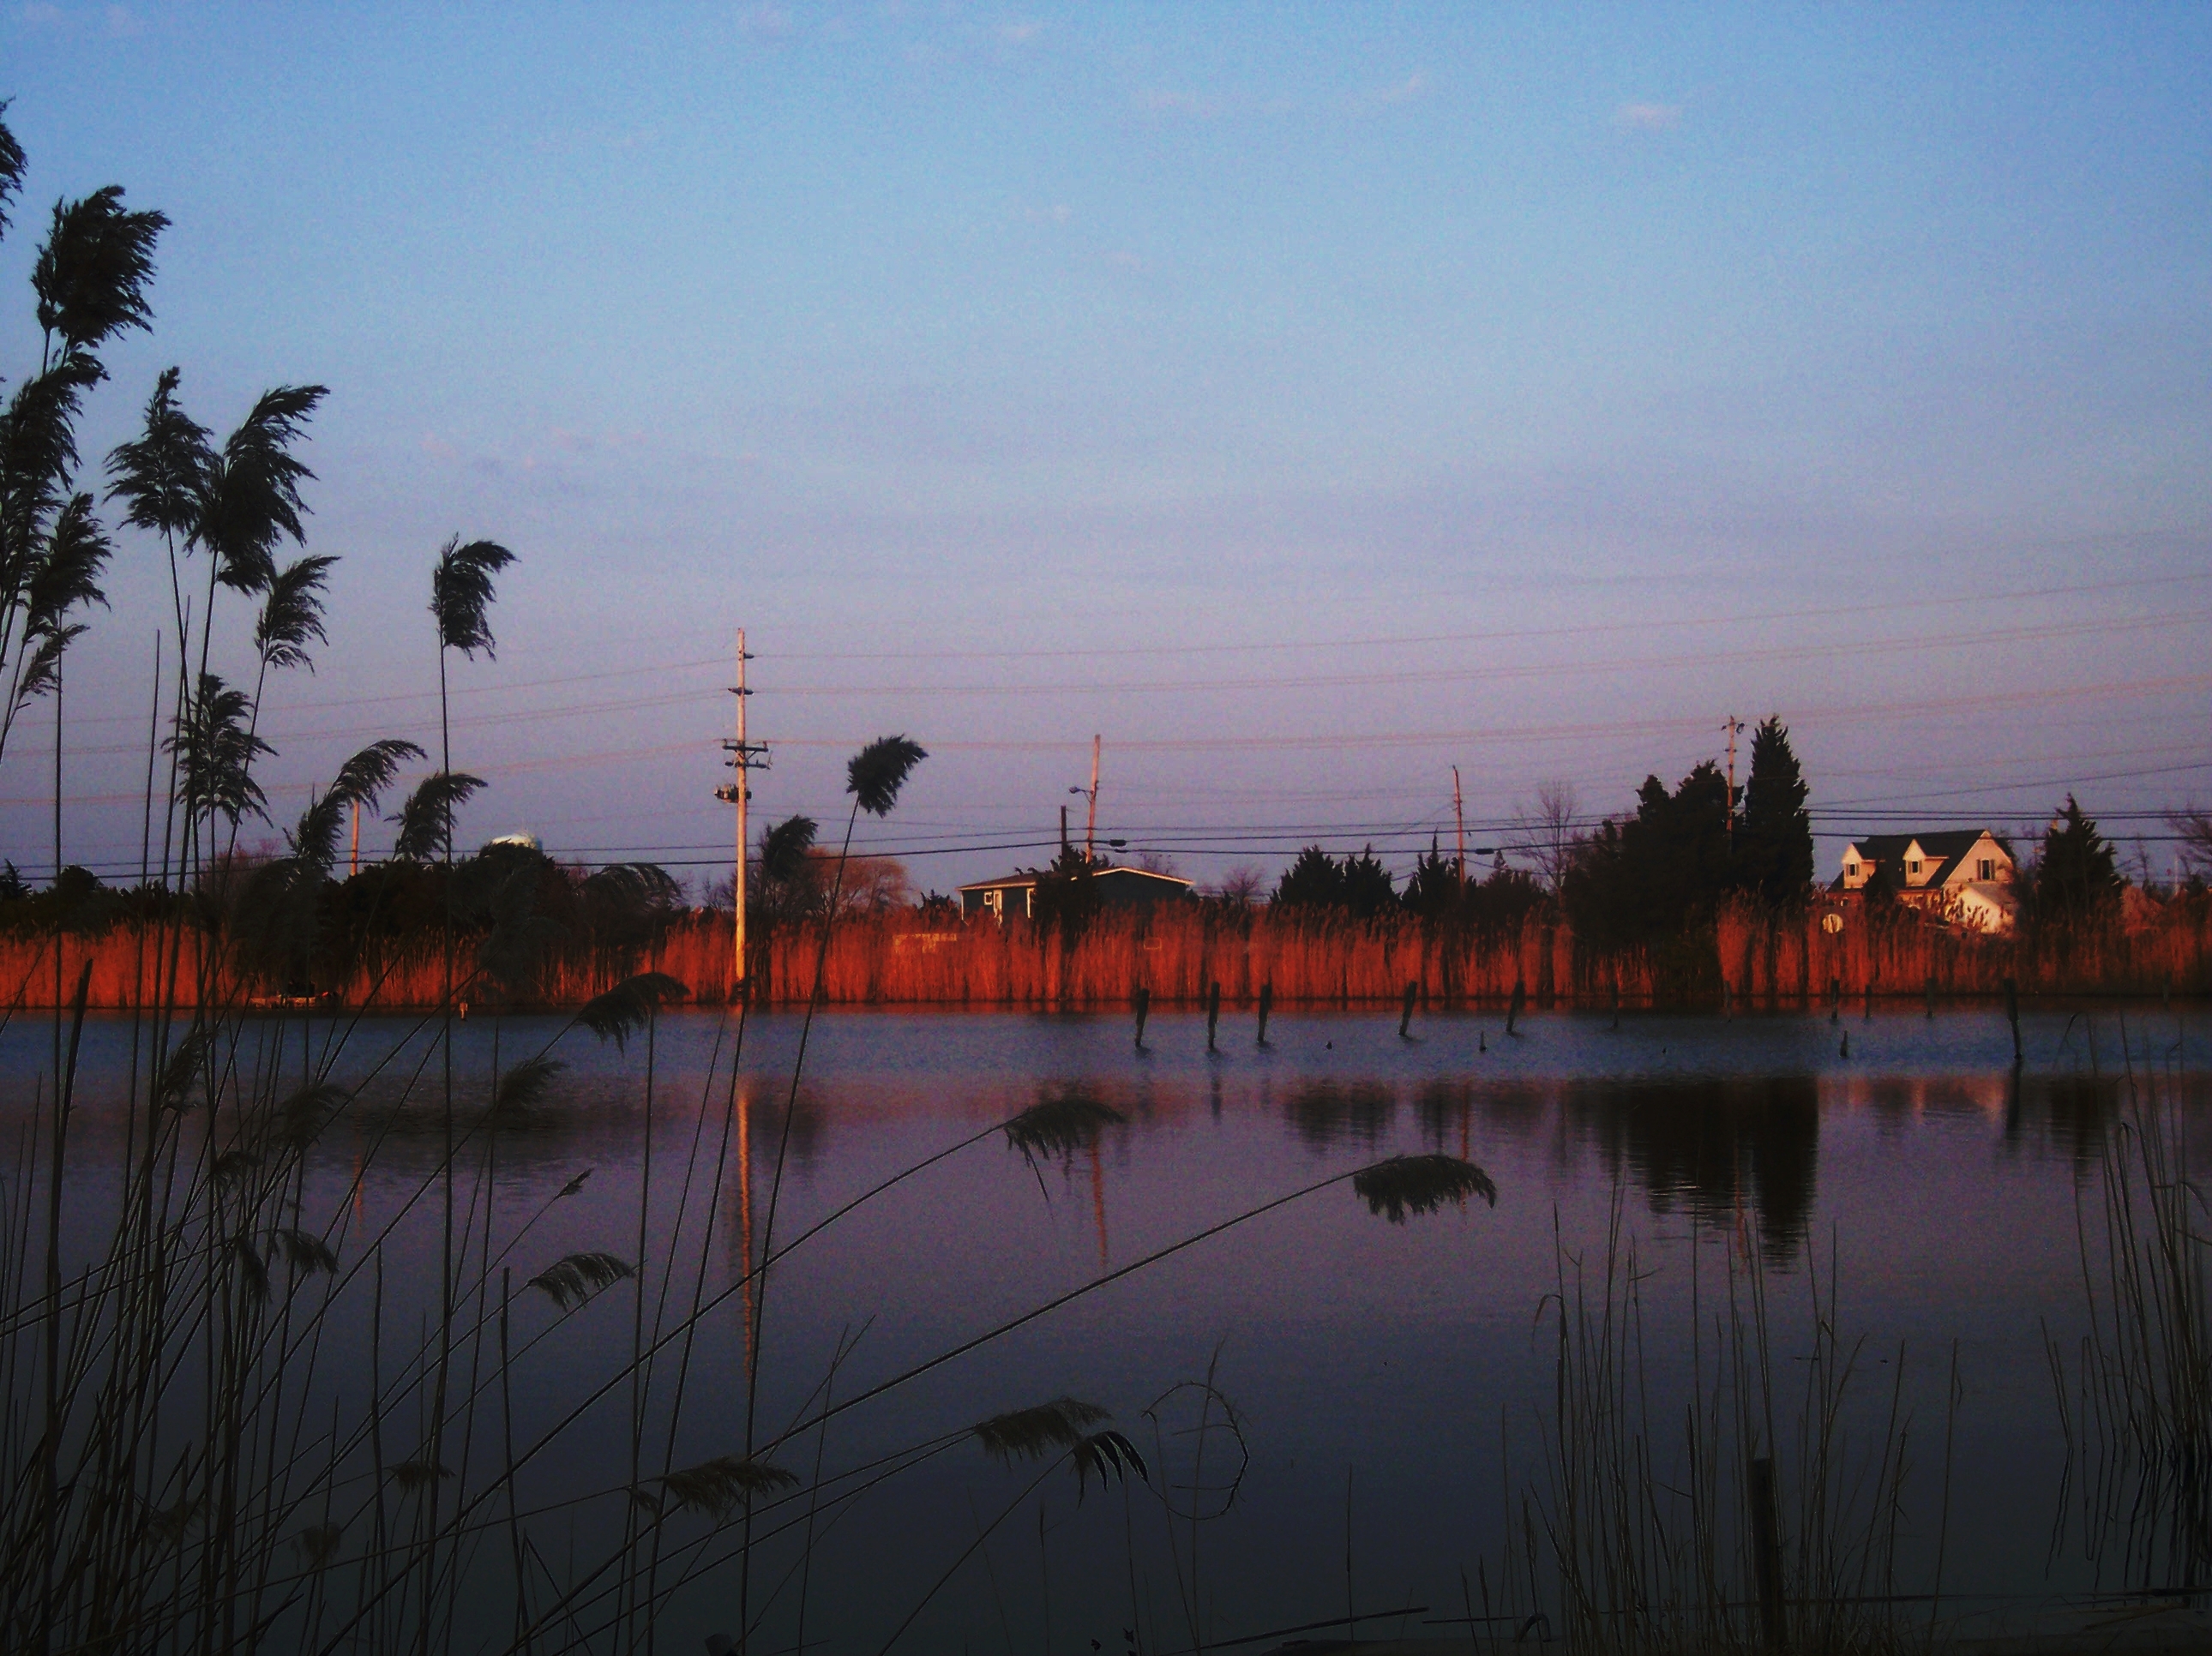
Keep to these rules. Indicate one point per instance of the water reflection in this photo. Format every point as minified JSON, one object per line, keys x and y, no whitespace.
{"x":1714,"y":1147}
{"x":1331,"y":1112}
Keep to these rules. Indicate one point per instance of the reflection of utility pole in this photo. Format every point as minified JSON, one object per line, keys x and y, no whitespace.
{"x":1731,"y":725}
{"x":745,"y":757}
{"x":1458,"y":822}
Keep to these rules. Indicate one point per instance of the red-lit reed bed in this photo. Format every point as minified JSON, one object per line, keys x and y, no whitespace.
{"x":901,"y":958}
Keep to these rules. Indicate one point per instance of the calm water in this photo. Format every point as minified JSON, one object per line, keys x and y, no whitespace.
{"x":1389,"y":1378}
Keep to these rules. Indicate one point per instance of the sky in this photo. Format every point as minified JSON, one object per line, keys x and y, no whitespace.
{"x":1303,"y":400}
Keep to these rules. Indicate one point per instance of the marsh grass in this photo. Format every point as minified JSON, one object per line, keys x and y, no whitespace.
{"x":2134,"y":1392}
{"x":1756,"y":959}
{"x":1734,"y":1508}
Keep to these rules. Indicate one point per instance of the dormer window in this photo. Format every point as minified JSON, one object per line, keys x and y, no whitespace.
{"x":1913,"y":867}
{"x":1986,"y":869}
{"x":1852,"y":870}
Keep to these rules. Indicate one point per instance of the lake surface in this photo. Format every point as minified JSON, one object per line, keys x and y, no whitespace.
{"x":1392,"y":1383}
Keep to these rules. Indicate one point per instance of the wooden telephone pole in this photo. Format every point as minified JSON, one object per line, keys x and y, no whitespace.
{"x":745,"y":757}
{"x":1459,"y":823}
{"x":1090,"y":823}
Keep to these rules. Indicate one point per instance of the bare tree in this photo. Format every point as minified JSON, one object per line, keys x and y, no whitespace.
{"x":1157,"y":862}
{"x":1241,"y":885}
{"x":2194,"y":830}
{"x":1549,"y":830}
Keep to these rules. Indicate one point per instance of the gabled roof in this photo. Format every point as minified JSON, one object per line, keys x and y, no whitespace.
{"x":1944,"y":847}
{"x":1947,"y":843}
{"x":1025,"y":877}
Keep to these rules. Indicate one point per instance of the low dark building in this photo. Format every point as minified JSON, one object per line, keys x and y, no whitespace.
{"x":1118,"y":888}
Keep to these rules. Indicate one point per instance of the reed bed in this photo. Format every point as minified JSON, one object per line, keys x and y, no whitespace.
{"x":1751,"y":1505}
{"x":2135,"y":1391}
{"x":907,"y":958}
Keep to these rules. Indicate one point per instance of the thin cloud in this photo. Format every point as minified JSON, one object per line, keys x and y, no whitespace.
{"x":1648,"y":118}
{"x":766,"y":20}
{"x":1405,"y":92}
{"x":1159,"y":100}
{"x":1019,"y":32}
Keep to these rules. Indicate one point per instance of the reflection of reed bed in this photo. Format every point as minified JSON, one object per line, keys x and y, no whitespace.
{"x":245,"y":1415}
{"x":2135,"y":1394}
{"x":1731,"y":1508}
{"x":906,"y":958}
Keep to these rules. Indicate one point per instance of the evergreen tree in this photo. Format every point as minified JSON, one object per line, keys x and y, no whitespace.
{"x":1313,"y":881}
{"x":2079,"y":871}
{"x":1366,"y":889}
{"x":1774,"y":831}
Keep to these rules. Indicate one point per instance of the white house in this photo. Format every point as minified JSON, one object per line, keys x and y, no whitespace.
{"x":1964,"y":875}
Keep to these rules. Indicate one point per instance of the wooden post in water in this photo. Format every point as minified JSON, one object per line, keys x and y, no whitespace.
{"x":1766,"y":1552}
{"x":1140,"y":1001}
{"x":2012,"y":1016}
{"x":1267,"y":1002}
{"x":1212,"y":1013}
{"x":1869,"y":1001}
{"x":1513,"y":1007}
{"x":1405,"y":1011}
{"x":1835,"y":999}
{"x":1931,"y":997}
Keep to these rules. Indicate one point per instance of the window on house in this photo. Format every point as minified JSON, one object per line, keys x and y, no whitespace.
{"x":1913,"y":867}
{"x":1986,"y":869}
{"x":1852,"y":868}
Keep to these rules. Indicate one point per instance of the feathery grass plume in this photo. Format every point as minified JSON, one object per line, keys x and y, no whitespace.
{"x":568,"y":1283}
{"x":877,"y":773}
{"x":304,"y":1251}
{"x":250,"y":498}
{"x":360,"y":781}
{"x":422,"y":819}
{"x":624,"y":1010}
{"x":252,"y":1269}
{"x":232,"y":1166}
{"x":525,"y":1086}
{"x":181,"y":1069}
{"x":716,"y":1487}
{"x":167,"y":1526}
{"x":1112,"y":1457}
{"x":42,"y":665}
{"x":299,"y":1120}
{"x":575,"y":1186}
{"x":292,"y":613}
{"x":416,"y":1476}
{"x":1420,"y":1183}
{"x":318,"y":1543}
{"x":67,"y":576}
{"x":461,"y":593}
{"x":162,"y":475}
{"x":92,"y":275}
{"x":12,"y":161}
{"x":38,"y":456}
{"x":1033,"y":1433}
{"x":1059,"y":1125}
{"x":216,"y":751}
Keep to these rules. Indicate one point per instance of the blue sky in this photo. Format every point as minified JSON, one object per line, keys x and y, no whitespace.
{"x":1526,"y":390}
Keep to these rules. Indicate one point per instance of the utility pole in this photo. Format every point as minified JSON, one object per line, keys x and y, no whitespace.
{"x":745,"y":757}
{"x":1458,"y":822}
{"x":1090,"y":825}
{"x":355,"y":869}
{"x":1732,"y":724}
